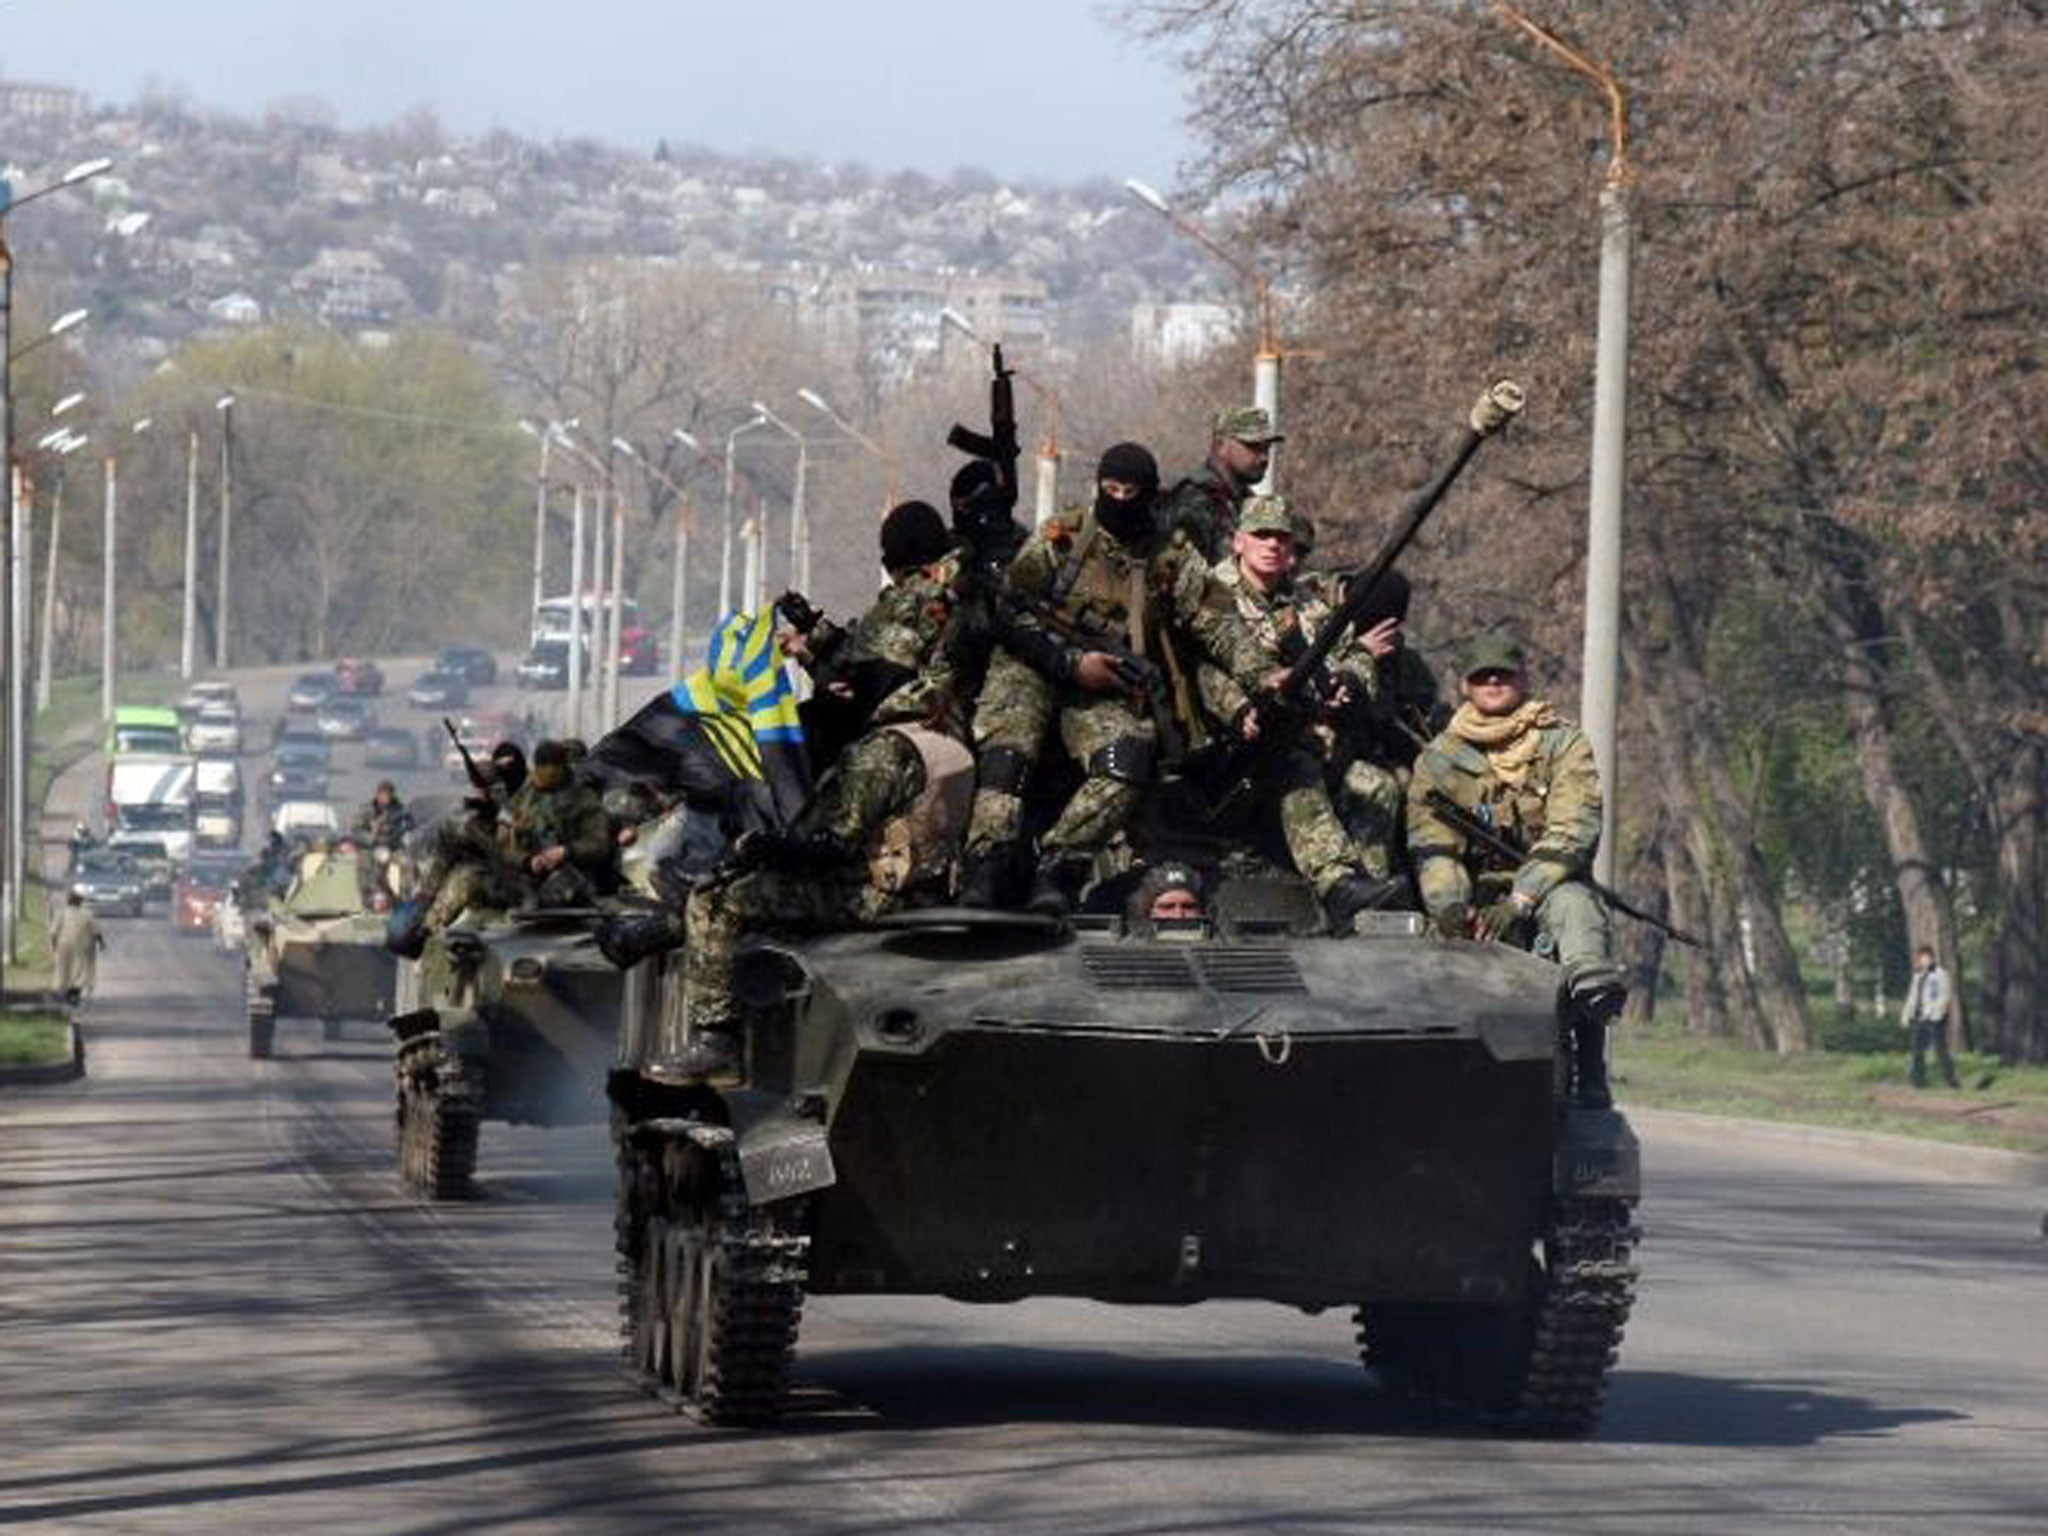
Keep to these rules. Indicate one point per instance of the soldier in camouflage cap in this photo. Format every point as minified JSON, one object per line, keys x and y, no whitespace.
{"x":1514,"y":763}
{"x":1350,"y":876}
{"x":555,"y":832}
{"x":1202,"y":507}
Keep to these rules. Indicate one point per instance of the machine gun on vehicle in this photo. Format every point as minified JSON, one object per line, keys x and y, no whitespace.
{"x":1225,"y":773}
{"x":1462,"y":821}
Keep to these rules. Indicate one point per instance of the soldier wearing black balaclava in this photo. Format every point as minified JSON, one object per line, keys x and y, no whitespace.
{"x":1104,"y":619}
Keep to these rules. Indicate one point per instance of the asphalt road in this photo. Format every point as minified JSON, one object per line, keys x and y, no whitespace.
{"x":218,"y":1312}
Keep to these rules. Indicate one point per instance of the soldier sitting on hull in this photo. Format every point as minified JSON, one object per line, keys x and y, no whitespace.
{"x":462,"y":868}
{"x":1349,"y":875}
{"x":1513,"y":763}
{"x":1093,"y":613}
{"x":879,"y":834}
{"x":554,"y":832}
{"x":1202,"y":508}
{"x":383,"y":821}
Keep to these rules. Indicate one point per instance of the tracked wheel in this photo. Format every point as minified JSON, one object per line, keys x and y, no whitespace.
{"x":1539,"y":1368}
{"x":438,"y":1119}
{"x":262,"y":1022}
{"x":712,"y":1289}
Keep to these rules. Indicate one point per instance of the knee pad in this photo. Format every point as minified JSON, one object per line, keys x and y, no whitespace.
{"x":1128,"y":760}
{"x":1003,"y":769}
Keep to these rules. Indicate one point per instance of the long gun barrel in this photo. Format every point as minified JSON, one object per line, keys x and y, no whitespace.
{"x":1226,"y":769}
{"x":1463,"y":821}
{"x":476,"y":775}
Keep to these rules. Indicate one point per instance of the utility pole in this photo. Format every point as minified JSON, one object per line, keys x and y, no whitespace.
{"x":44,"y":648}
{"x":572,"y":723}
{"x":109,"y":649}
{"x":188,"y":636}
{"x":676,"y":594}
{"x":223,"y":601}
{"x":614,"y":627}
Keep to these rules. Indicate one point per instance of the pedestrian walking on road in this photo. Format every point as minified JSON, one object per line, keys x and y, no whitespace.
{"x":76,"y":942}
{"x":1925,"y":1017}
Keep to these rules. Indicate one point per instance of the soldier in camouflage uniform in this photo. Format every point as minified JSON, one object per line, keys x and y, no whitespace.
{"x":462,"y":868}
{"x":1094,"y":610}
{"x":1202,"y":508}
{"x":554,"y":834}
{"x":880,"y":832}
{"x":1515,"y":764}
{"x":1349,"y":875}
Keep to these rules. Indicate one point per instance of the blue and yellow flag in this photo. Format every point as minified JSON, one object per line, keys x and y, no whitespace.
{"x":732,"y":723}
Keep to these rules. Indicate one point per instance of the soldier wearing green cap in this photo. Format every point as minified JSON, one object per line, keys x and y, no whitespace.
{"x":1512,"y":762}
{"x":1202,"y":507}
{"x":1349,"y":875}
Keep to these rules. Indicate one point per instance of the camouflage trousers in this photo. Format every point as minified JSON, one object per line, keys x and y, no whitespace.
{"x":720,"y":915}
{"x":1572,"y":925}
{"x":1371,"y":801}
{"x":467,"y":885}
{"x":1018,"y":706}
{"x":1318,"y":841}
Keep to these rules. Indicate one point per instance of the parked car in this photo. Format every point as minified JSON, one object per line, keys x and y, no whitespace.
{"x":310,"y":691}
{"x":109,"y":881}
{"x":344,"y":719}
{"x":199,"y":889}
{"x":639,"y":653}
{"x":388,"y":747}
{"x":305,"y":819}
{"x":199,"y":695}
{"x":216,"y":728}
{"x":545,"y":666}
{"x":439,"y":690}
{"x":479,"y":667}
{"x":358,"y":678}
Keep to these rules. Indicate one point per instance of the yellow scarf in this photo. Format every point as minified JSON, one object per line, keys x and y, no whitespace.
{"x":1510,"y":742}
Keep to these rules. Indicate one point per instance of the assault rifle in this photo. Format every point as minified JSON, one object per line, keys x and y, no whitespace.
{"x":483,"y":782}
{"x":999,"y":445}
{"x":1225,"y":773}
{"x":1140,"y":675}
{"x":1460,"y":820}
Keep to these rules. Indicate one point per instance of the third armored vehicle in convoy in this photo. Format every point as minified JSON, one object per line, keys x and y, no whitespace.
{"x":989,"y":1107}
{"x":318,"y":950}
{"x":508,"y":1017}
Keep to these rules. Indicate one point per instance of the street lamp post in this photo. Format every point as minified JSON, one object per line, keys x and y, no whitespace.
{"x":799,"y":529}
{"x":818,"y":402}
{"x":188,"y":628}
{"x":226,"y":406}
{"x":109,"y":655}
{"x":1046,"y":488}
{"x":45,"y":648}
{"x":732,"y":439}
{"x":572,"y":724}
{"x":681,"y":563}
{"x":1266,"y":361}
{"x":548,"y":433}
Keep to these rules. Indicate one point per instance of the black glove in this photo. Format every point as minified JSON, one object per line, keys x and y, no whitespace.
{"x":802,"y":615}
{"x":1506,"y":921}
{"x":1453,"y":921}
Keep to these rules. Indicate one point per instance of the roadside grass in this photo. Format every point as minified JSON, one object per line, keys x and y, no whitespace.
{"x":1997,"y":1106}
{"x":32,"y":1039}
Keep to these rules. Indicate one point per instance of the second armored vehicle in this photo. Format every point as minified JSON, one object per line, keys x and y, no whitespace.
{"x":318,"y":951}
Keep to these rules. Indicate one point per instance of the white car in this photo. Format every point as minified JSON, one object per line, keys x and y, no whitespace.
{"x":216,"y":728}
{"x":305,"y":818}
{"x":200,"y":695}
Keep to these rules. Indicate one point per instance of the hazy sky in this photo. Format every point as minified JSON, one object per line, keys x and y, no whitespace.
{"x":1026,"y":88}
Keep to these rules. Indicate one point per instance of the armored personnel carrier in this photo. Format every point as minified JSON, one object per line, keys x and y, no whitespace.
{"x":508,"y":1016}
{"x":988,"y":1107}
{"x":318,"y":950}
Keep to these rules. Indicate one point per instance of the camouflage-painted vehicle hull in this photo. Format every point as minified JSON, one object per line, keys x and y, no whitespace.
{"x":990,"y":1111}
{"x":332,"y":969}
{"x":512,"y":1018}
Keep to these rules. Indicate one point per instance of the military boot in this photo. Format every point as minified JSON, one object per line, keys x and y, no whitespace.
{"x":713,"y":1055}
{"x":1056,"y":886}
{"x":405,"y":933}
{"x":627,"y":938}
{"x":985,"y":879}
{"x":1354,"y":894}
{"x":1592,"y":1010}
